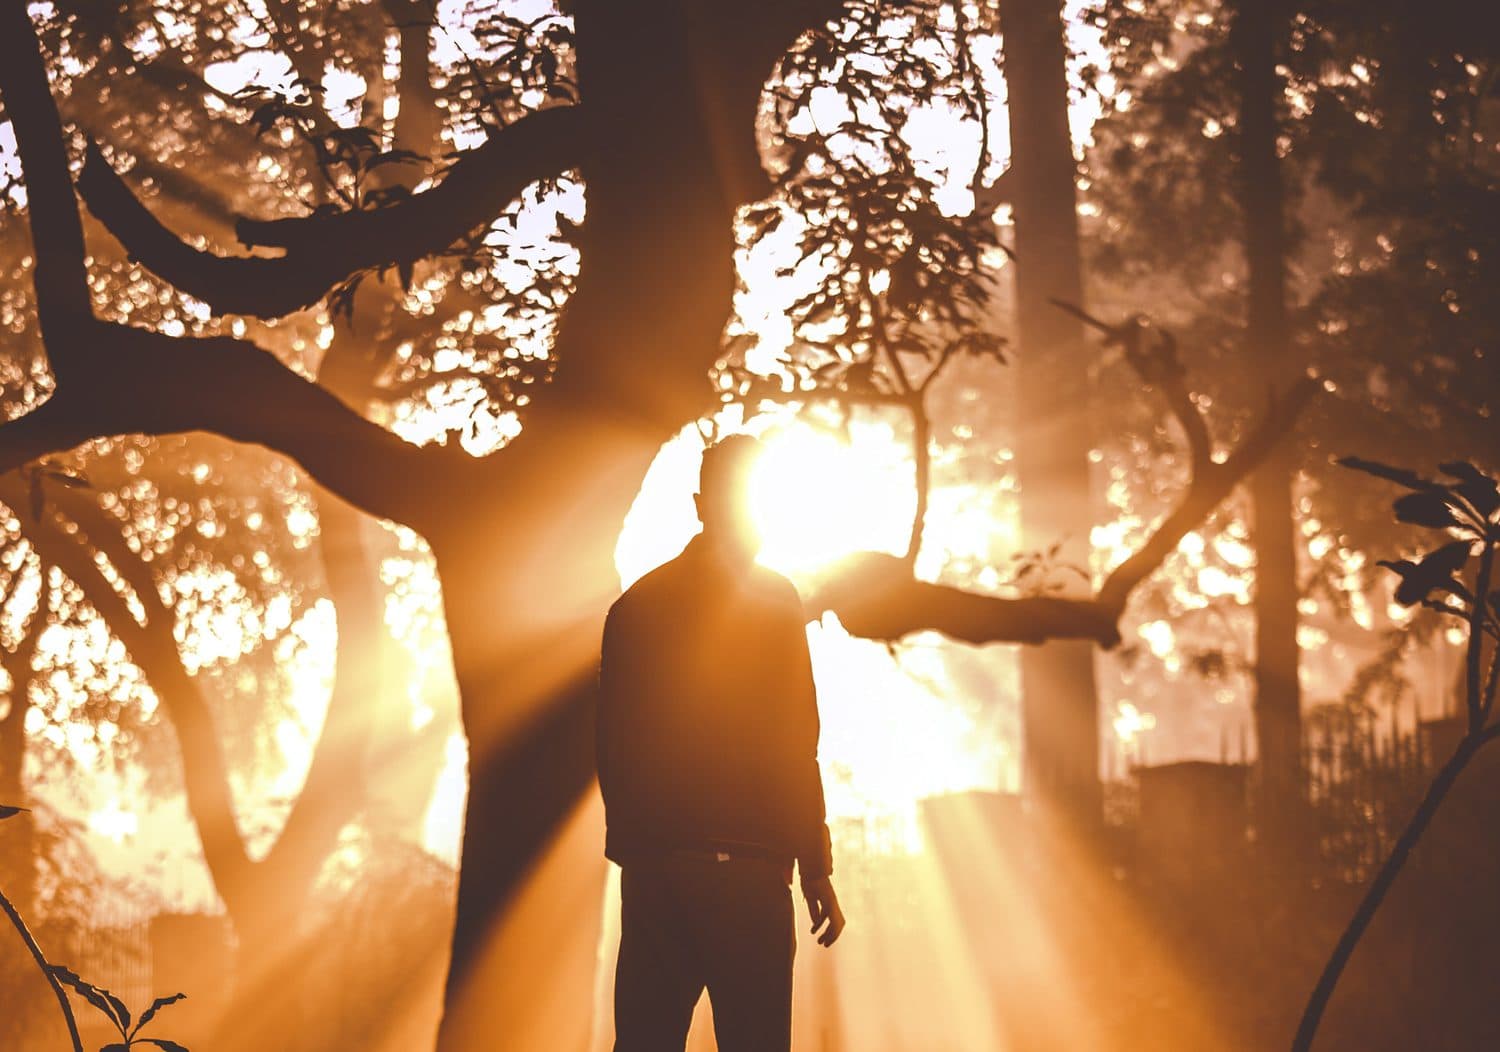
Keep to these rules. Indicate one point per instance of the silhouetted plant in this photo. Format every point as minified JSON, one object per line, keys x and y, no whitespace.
{"x":113,"y":1008}
{"x":118,"y":1015}
{"x":1467,"y":510}
{"x":8,"y":811}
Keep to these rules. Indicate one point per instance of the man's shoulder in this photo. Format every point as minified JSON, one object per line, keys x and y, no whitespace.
{"x":776,"y":588}
{"x":772,"y":580}
{"x":649,"y":585}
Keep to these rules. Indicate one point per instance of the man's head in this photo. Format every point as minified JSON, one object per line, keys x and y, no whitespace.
{"x":724,"y":496}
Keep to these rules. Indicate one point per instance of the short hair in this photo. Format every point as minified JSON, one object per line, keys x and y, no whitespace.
{"x":728,"y":462}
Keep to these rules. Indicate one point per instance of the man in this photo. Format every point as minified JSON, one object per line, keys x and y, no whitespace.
{"x":707,"y":747}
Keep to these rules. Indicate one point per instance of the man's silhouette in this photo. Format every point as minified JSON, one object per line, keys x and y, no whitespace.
{"x":708,"y":741}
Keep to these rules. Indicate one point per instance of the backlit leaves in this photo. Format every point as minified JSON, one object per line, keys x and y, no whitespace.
{"x":1434,"y":572}
{"x":1465,"y":509}
{"x":115,"y":1011}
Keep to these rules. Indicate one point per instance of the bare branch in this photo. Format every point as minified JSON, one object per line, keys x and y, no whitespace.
{"x":323,"y":250}
{"x":876,"y":596}
{"x":1209,"y":486}
{"x":138,"y":382}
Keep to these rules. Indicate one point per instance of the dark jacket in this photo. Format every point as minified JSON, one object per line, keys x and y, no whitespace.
{"x":708,"y":718}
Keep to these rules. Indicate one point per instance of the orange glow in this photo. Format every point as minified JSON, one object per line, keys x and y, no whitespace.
{"x":897,"y":728}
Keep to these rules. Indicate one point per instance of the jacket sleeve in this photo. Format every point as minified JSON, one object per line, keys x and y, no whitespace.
{"x":814,"y":847}
{"x":612,"y":673}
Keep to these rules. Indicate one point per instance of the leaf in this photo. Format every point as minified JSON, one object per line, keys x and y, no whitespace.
{"x":9,"y":811}
{"x":1400,"y":476}
{"x":266,"y":115}
{"x":100,"y":999}
{"x":156,"y":1006}
{"x":121,"y":1012}
{"x":1434,"y":571}
{"x":163,"y":1044}
{"x":1474,"y":486}
{"x":116,"y":1047}
{"x":1425,"y":509}
{"x":1448,"y":558}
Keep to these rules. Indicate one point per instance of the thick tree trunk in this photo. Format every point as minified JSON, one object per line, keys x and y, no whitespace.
{"x":1278,"y":697}
{"x":1060,"y":698}
{"x":528,"y":569}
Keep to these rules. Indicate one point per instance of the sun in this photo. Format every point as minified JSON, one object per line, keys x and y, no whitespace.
{"x":816,"y":496}
{"x":895,"y":730}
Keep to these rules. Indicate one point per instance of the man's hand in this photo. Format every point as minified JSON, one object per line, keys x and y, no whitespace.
{"x":823,"y":905}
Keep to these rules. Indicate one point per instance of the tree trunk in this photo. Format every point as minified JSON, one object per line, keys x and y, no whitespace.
{"x":527,"y":568}
{"x":1278,"y":696}
{"x":1060,"y":698}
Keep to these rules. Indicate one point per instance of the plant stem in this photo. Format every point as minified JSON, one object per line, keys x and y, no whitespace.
{"x":1474,"y":656}
{"x":41,"y":962}
{"x":1312,"y":1015}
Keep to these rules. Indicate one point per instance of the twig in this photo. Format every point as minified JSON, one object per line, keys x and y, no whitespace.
{"x":41,"y":962}
{"x":1311,"y":1015}
{"x":1474,"y":697}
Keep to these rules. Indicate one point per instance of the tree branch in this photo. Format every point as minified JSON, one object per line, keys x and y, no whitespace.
{"x":153,"y":647}
{"x":117,"y":380}
{"x":323,"y":250}
{"x":875,"y":595}
{"x":1210,"y":484}
{"x":52,"y":211}
{"x":139,"y":382}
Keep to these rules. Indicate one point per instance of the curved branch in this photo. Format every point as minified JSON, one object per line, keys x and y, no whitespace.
{"x":118,"y":380}
{"x":323,"y":250}
{"x":139,"y":382}
{"x":1317,"y":1002}
{"x":153,"y":647}
{"x":876,"y":597}
{"x":41,"y":962}
{"x":1210,"y":484}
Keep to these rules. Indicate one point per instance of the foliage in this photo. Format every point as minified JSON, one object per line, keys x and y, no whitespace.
{"x":113,"y":1009}
{"x":1466,"y":510}
{"x":891,"y":276}
{"x":1387,"y":125}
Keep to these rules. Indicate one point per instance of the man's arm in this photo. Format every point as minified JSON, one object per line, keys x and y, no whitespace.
{"x":612,"y":659}
{"x":815,"y":850}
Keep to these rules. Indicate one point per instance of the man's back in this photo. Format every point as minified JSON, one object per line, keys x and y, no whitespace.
{"x":708,"y":761}
{"x":708,"y":723}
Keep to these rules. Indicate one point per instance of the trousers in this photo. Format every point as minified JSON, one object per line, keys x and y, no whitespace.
{"x":693,"y":923}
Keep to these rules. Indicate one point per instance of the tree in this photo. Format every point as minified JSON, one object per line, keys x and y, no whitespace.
{"x":1054,"y":439}
{"x":523,"y":538}
{"x":1254,"y":36}
{"x":1366,"y":119}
